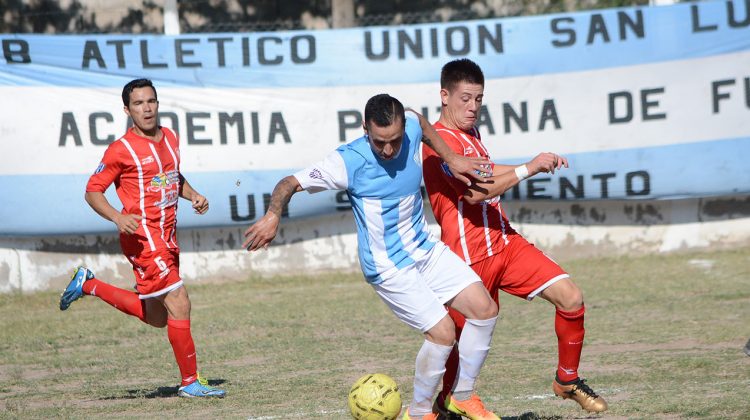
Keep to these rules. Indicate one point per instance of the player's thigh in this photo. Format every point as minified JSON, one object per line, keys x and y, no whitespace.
{"x":564,"y":294}
{"x":474,"y":302}
{"x":177,"y":303}
{"x":528,"y":271}
{"x":410,"y":299}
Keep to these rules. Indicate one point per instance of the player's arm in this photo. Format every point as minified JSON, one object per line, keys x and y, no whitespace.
{"x":200,"y":203}
{"x":463,"y":168}
{"x":506,"y":177}
{"x":262,"y":232}
{"x":108,"y":170}
{"x":126,"y":223}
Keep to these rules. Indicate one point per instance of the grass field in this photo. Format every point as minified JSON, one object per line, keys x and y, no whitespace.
{"x":664,"y":338}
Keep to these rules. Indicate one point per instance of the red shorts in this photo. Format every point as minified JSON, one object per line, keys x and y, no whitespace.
{"x":520,"y":269}
{"x":157,"y":272}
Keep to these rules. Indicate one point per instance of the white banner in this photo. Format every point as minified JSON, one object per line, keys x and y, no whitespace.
{"x":646,"y":103}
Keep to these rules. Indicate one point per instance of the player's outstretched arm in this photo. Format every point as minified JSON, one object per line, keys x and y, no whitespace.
{"x":200,"y":203}
{"x":463,"y":168}
{"x":126,"y":223}
{"x":262,"y":232}
{"x":506,"y":176}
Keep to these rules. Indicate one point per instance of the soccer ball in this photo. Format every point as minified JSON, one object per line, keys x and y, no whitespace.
{"x":375,"y":397}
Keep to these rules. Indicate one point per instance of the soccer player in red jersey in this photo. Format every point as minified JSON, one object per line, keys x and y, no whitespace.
{"x":144,"y":165}
{"x":476,"y":228}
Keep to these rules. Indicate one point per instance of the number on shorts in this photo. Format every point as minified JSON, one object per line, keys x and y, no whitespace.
{"x":162,"y":267}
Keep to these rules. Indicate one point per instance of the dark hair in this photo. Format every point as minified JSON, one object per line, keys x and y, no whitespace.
{"x":135,"y":84}
{"x":461,"y":70}
{"x":383,"y":110}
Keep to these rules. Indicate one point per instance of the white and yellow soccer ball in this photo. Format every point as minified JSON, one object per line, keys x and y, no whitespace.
{"x":375,"y":397}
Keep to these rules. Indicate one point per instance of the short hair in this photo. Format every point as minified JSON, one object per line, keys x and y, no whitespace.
{"x":461,"y":70}
{"x":135,"y":84}
{"x":383,"y":110}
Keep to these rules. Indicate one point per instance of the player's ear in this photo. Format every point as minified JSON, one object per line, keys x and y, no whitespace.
{"x":444,"y":96}
{"x":127,"y":110}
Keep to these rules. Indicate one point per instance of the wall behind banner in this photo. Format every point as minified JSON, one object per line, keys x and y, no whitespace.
{"x":647,"y":103}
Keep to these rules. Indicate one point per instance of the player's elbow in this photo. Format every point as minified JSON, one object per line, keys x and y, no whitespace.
{"x":89,"y":196}
{"x":473,"y":199}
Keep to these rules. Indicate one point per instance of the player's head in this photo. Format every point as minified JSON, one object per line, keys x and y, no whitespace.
{"x":141,"y":105}
{"x":135,"y":84}
{"x":461,"y":93}
{"x":384,"y":125}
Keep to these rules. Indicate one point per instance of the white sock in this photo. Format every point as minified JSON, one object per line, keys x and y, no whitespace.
{"x":430,"y":367}
{"x":472,"y":352}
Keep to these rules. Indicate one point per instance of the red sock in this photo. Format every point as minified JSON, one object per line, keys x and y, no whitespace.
{"x":178,"y":331}
{"x":123,"y":300}
{"x":570,"y":332}
{"x":451,"y":365}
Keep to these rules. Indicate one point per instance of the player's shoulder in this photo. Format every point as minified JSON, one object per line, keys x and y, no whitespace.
{"x":169,"y":134}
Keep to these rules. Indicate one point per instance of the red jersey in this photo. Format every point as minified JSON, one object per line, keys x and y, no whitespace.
{"x":146,"y":175}
{"x":473,"y":231}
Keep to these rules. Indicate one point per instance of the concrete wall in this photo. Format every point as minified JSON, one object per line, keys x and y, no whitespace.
{"x":564,"y":230}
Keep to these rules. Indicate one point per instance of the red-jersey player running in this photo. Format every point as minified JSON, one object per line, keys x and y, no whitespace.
{"x":476,"y":228}
{"x":144,"y":165}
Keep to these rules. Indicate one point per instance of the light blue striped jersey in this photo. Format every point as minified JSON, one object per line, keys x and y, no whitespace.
{"x":386,"y":200}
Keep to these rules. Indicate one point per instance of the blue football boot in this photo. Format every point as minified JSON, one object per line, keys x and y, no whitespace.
{"x":74,"y":291}
{"x":200,"y":388}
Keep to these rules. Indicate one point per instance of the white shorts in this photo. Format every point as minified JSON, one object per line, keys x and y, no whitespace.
{"x":417,"y":293}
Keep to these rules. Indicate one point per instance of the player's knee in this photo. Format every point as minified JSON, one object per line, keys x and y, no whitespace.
{"x":490,"y":310}
{"x":443,"y":333}
{"x":572,"y":300}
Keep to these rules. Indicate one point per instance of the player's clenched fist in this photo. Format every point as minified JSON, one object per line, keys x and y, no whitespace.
{"x":200,"y":203}
{"x":127,"y":223}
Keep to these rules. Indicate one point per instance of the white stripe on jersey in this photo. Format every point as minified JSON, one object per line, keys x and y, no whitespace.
{"x":163,"y":214}
{"x":405,"y":228}
{"x":383,"y":264}
{"x":142,"y":193}
{"x":177,"y":168}
{"x":487,"y":239}
{"x":502,"y":223}
{"x":462,"y":232}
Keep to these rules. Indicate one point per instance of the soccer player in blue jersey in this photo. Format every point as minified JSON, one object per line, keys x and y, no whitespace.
{"x":412,"y":272}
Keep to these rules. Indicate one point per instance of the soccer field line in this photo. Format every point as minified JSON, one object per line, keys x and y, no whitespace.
{"x":299,"y":415}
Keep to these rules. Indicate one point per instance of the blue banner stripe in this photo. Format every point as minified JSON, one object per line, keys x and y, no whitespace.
{"x":507,"y":47}
{"x":54,"y":204}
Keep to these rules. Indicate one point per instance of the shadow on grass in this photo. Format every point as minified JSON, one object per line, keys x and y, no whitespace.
{"x":160,"y":392}
{"x":531,"y":416}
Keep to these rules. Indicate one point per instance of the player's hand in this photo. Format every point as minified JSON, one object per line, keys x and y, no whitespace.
{"x":546,"y":162}
{"x":200,"y":203}
{"x":466,"y":168}
{"x":260,"y":234}
{"x":127,"y":223}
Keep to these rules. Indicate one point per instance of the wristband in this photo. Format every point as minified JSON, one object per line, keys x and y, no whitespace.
{"x":522,"y":172}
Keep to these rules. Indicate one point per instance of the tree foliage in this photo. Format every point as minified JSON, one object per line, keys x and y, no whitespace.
{"x":82,"y":16}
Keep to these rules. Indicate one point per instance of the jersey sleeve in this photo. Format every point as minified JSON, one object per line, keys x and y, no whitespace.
{"x":108,"y":170}
{"x":436,"y":171}
{"x":328,"y":174}
{"x":412,"y":127}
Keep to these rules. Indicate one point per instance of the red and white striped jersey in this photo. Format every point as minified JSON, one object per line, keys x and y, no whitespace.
{"x":146,"y":175}
{"x":473,"y":231}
